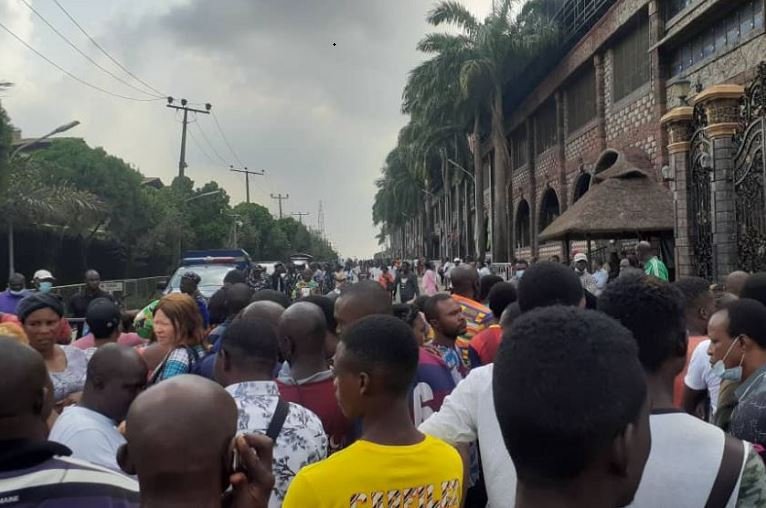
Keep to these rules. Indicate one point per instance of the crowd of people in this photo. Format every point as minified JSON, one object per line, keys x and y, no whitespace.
{"x":393,"y":385}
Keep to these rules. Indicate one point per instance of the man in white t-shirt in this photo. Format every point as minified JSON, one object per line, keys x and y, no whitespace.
{"x":691,"y":462}
{"x":701,"y":378}
{"x":116,"y":375}
{"x":468,"y":413}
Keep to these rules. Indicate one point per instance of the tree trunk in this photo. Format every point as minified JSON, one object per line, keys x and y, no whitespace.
{"x":478,"y":171}
{"x":445,"y":211}
{"x":501,"y":235}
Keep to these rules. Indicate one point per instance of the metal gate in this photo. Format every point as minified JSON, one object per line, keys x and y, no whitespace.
{"x":700,"y":220}
{"x":749,"y":199}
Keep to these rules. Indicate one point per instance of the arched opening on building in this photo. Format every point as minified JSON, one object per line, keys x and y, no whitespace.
{"x":523,"y":225}
{"x":581,"y":186}
{"x":607,"y":159}
{"x":549,"y":208}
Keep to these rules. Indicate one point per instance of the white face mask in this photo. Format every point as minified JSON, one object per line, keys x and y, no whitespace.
{"x":733,"y":374}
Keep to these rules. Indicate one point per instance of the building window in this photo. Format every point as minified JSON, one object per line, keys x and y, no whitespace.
{"x":523,"y":229}
{"x":545,"y":127}
{"x":632,"y":61}
{"x":581,"y":99}
{"x":725,"y":34}
{"x":581,"y":187}
{"x":519,"y":147}
{"x":549,"y":209}
{"x":673,"y":7}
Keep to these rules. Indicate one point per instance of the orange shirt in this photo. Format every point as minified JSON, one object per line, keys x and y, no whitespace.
{"x":678,"y":384}
{"x":486,"y":343}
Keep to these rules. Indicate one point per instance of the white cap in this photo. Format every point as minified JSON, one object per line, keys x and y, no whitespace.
{"x":43,"y":275}
{"x":457,"y":260}
{"x":580,"y":257}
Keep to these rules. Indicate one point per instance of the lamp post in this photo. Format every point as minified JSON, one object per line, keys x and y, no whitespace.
{"x":14,"y":154}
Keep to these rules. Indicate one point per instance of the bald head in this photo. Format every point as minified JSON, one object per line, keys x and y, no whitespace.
{"x":23,"y":399}
{"x":465,"y":281}
{"x":303,"y":328}
{"x":360,"y":300}
{"x":735,"y":281}
{"x":176,"y":415}
{"x":266,"y":310}
{"x":116,"y":375}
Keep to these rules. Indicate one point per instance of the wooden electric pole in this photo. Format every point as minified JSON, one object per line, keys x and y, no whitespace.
{"x":280,"y":198}
{"x":247,"y":173}
{"x":185,"y":109}
{"x":301,"y":215}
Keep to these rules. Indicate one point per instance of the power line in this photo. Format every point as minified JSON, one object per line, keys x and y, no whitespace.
{"x":225,"y":139}
{"x":92,"y":40}
{"x":199,"y":147}
{"x":73,"y":46}
{"x":280,"y":198}
{"x":210,"y":145}
{"x":79,"y":80}
{"x":247,"y":173}
{"x":183,"y":107}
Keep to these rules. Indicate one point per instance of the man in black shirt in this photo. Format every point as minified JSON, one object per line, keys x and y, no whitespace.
{"x":407,"y":284}
{"x":78,"y":305}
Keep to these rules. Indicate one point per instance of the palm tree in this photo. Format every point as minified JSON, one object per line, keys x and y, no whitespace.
{"x":496,"y":52}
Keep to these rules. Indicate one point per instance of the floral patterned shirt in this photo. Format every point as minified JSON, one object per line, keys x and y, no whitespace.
{"x":301,"y":441}
{"x":72,"y":379}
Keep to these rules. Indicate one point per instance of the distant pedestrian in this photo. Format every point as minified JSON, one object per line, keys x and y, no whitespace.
{"x":190,"y":286}
{"x":430,"y":283}
{"x":10,"y":298}
{"x":652,"y":264}
{"x":581,"y":269}
{"x":78,"y":305}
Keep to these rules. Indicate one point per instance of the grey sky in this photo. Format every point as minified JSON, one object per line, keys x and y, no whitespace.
{"x":319,"y":119}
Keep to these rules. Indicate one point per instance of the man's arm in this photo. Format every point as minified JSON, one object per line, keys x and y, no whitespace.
{"x":752,"y":486}
{"x":456,"y":421}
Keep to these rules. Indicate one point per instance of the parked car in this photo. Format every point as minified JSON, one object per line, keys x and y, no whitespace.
{"x":212,"y":266}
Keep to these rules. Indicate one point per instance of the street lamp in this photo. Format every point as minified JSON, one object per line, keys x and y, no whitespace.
{"x":11,"y":247}
{"x":57,"y":130}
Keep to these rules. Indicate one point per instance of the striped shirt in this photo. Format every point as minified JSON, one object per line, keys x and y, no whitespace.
{"x":477,"y":316}
{"x":41,"y":474}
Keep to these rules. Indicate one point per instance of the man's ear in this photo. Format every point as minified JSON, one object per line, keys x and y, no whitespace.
{"x":225,"y":359}
{"x":620,"y":451}
{"x":124,"y":460}
{"x":364,"y":383}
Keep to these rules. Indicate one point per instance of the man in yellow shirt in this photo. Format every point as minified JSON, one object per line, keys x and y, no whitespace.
{"x":392,"y":464}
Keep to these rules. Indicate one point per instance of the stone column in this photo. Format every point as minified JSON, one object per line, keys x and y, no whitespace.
{"x":598,"y":62}
{"x":561,"y":139}
{"x":531,"y":167}
{"x":721,"y":107}
{"x":656,"y":33}
{"x":677,"y":122}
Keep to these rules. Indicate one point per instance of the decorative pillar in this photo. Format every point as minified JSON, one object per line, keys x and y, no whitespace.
{"x":561,"y":139}
{"x":720,"y":104}
{"x":598,"y":63}
{"x":678,"y":125}
{"x":656,"y":33}
{"x":532,"y":168}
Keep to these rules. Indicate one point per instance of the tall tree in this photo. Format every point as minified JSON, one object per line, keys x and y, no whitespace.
{"x":498,"y":50}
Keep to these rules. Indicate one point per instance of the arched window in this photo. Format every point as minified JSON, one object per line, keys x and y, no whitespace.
{"x":549,"y":208}
{"x":582,"y":186}
{"x":523,"y":228}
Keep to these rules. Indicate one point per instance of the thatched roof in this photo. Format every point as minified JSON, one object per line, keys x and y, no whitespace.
{"x":623,"y":201}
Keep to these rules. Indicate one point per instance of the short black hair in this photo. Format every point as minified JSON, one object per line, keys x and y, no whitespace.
{"x":386,"y":345}
{"x":589,"y":386}
{"x":328,"y":309}
{"x":270,"y":295}
{"x":748,"y":317}
{"x":501,"y":296}
{"x":486,"y":283}
{"x":653,"y":311}
{"x":234,"y":276}
{"x":249,"y":341}
{"x":546,"y":283}
{"x":217,"y":307}
{"x":509,"y":315}
{"x":692,"y":289}
{"x":421,"y":301}
{"x":407,"y":312}
{"x":755,"y":287}
{"x":431,"y":309}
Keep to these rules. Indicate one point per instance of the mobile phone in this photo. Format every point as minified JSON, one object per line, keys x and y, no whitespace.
{"x":236,"y":461}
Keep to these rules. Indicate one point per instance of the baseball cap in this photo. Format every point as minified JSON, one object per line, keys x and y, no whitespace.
{"x":43,"y":275}
{"x":580,"y":257}
{"x":103,"y":317}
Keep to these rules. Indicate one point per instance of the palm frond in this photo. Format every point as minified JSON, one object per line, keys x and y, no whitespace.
{"x":454,"y":13}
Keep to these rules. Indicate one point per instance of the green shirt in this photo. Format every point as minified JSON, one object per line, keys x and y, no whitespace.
{"x":656,"y":268}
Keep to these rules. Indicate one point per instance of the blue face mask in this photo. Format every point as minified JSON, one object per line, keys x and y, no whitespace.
{"x":46,"y":286}
{"x":16,"y":293}
{"x":733,"y":374}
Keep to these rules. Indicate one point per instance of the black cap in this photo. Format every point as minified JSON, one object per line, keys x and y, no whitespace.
{"x":103,"y":317}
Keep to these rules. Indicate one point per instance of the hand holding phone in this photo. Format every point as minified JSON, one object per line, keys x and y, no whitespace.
{"x":252,"y":478}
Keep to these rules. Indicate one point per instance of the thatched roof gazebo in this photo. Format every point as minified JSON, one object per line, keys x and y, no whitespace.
{"x":623,"y":202}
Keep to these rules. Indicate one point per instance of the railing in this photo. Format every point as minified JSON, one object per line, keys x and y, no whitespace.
{"x":576,"y":17}
{"x":130,"y":293}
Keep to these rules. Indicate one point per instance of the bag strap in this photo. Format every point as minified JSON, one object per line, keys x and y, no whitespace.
{"x":278,"y":420}
{"x":728,"y":473}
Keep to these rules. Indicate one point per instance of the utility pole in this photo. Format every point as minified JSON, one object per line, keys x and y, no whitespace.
{"x":247,"y":173}
{"x":182,"y":107}
{"x":301,"y":215}
{"x":280,"y":198}
{"x":320,"y":220}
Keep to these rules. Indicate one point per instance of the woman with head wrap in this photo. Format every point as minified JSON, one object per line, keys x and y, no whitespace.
{"x":40,"y":315}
